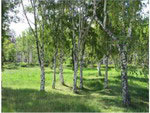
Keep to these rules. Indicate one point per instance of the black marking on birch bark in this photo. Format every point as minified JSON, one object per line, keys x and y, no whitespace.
{"x":125,"y":91}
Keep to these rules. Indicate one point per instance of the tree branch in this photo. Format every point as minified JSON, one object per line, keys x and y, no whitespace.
{"x":27,"y":18}
{"x":109,"y":33}
{"x":94,"y":14}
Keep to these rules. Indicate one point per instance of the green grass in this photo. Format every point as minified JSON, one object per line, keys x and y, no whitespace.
{"x":20,"y":92}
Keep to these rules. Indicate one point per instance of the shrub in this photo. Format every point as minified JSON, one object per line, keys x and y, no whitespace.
{"x":10,"y":66}
{"x":23,"y":64}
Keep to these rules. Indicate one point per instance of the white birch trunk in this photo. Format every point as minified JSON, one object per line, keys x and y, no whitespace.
{"x":75,"y":60}
{"x":99,"y":68}
{"x":54,"y":68}
{"x":35,"y":33}
{"x":106,"y":60}
{"x":30,"y":57}
{"x":81,"y":70}
{"x":42,"y":87}
{"x":61,"y":69}
{"x":42,"y":60}
{"x":75,"y":65}
{"x":106,"y":73}
{"x":125,"y":91}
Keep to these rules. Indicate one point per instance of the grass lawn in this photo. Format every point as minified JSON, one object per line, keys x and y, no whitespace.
{"x":20,"y":92}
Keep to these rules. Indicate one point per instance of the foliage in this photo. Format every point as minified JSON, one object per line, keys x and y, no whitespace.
{"x":25,"y":46}
{"x":10,"y":51}
{"x":8,"y":6}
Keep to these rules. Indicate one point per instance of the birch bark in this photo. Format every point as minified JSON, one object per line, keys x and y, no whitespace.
{"x":61,"y":68}
{"x":54,"y":68}
{"x":40,"y":49}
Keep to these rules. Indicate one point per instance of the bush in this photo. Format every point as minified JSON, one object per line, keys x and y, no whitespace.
{"x":32,"y":64}
{"x":10,"y":66}
{"x":17,"y":64}
{"x":23,"y":64}
{"x":68,"y":65}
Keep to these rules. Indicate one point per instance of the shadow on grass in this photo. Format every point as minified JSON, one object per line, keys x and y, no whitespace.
{"x":48,"y":72}
{"x":134,"y":78}
{"x":95,"y":69}
{"x":139,"y":92}
{"x":68,"y":86}
{"x":112,"y":95}
{"x":11,"y":68}
{"x":70,"y":73}
{"x":139,"y":98}
{"x":135,"y":106}
{"x":51,"y":72}
{"x":139,"y":95}
{"x":90,"y":69}
{"x":134,"y":89}
{"x":93,"y":84}
{"x":112,"y":90}
{"x":29,"y":100}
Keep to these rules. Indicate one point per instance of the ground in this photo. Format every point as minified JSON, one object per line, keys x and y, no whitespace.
{"x":20,"y":92}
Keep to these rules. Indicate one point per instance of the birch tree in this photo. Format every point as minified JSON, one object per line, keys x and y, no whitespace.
{"x":123,"y":58}
{"x":39,"y":46}
{"x":106,"y":58}
{"x":83,"y":32}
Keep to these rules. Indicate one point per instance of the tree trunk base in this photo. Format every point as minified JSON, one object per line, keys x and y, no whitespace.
{"x":62,"y":83}
{"x":127,"y":103}
{"x":81,"y":87}
{"x":105,"y":87}
{"x":53,"y":86}
{"x":75,"y":90}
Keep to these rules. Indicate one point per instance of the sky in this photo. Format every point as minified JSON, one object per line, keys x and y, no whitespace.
{"x":22,"y":25}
